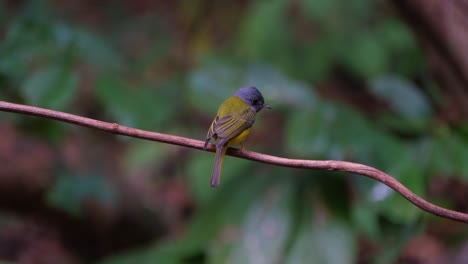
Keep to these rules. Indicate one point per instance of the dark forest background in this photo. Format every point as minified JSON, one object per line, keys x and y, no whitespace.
{"x":383,"y":83}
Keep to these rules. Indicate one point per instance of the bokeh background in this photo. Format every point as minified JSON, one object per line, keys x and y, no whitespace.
{"x":382,"y":83}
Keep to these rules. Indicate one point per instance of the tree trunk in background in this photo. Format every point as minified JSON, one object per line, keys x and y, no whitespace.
{"x":442,"y":29}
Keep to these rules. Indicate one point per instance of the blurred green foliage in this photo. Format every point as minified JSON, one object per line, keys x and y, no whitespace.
{"x":139,"y":72}
{"x":69,"y":192}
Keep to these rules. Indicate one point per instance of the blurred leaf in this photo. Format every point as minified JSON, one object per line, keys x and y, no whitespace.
{"x":136,"y":106}
{"x":318,"y":59}
{"x":402,"y":96}
{"x":307,"y":132}
{"x":365,"y":55}
{"x":407,"y":59}
{"x":201,"y":167}
{"x":393,"y":248}
{"x":214,"y":79}
{"x":53,"y":87}
{"x":365,"y":219}
{"x":141,"y":154}
{"x":448,"y":155}
{"x":320,"y":10}
{"x":404,"y":167}
{"x":361,"y":9}
{"x":70,"y":192}
{"x":159,"y":50}
{"x":263,"y":24}
{"x":327,"y":242}
{"x":264,"y":232}
{"x":212,"y":82}
{"x":395,"y":33}
{"x":276,"y":87}
{"x":334,"y":192}
{"x":35,"y":37}
{"x":62,"y":34}
{"x":337,"y":132}
{"x":226,"y":209}
{"x":320,"y":132}
{"x":95,"y":50}
{"x":397,"y":160}
{"x":115,"y":98}
{"x":31,"y":27}
{"x":26,"y":39}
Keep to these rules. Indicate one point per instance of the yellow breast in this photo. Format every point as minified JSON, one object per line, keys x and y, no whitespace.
{"x":240,"y":138}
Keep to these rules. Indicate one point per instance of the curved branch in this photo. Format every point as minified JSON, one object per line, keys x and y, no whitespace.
{"x":331,"y":165}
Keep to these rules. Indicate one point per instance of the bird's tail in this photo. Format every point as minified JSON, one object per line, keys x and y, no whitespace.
{"x":218,"y":166}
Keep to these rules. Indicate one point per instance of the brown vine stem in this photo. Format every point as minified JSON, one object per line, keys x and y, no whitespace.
{"x":331,"y":165}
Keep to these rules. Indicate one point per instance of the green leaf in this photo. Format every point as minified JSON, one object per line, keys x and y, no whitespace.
{"x":321,"y":131}
{"x":448,"y":155}
{"x":318,"y":60}
{"x":307,"y":132}
{"x":320,"y":10}
{"x":365,"y":55}
{"x":402,"y":96}
{"x":201,"y":167}
{"x":69,"y":192}
{"x":52,"y":87}
{"x":214,"y":79}
{"x":266,"y":23}
{"x":95,"y":50}
{"x":406,"y":170}
{"x":365,"y":218}
{"x":395,"y":33}
{"x":337,"y":132}
{"x":138,"y":105}
{"x":277,"y":88}
{"x":219,"y":80}
{"x":140,"y":155}
{"x":28,"y":39}
{"x":328,"y":242}
{"x":263,"y":234}
{"x":226,"y":209}
{"x":408,"y":58}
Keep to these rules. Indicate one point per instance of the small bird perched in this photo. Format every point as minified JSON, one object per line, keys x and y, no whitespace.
{"x":232,"y":124}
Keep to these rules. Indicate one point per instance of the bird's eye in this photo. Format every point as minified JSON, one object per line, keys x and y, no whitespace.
{"x":255,"y":101}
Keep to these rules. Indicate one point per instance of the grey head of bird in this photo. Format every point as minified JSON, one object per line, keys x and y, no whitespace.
{"x":252,"y":96}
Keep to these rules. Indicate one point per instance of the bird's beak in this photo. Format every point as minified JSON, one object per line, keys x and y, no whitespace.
{"x":267,"y":106}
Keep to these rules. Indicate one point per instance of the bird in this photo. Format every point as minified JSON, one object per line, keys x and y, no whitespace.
{"x":232,"y":124}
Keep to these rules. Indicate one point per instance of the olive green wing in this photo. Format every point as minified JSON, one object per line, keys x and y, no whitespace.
{"x":229,"y":126}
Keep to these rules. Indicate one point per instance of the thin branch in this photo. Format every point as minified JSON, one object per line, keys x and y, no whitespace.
{"x":331,"y":165}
